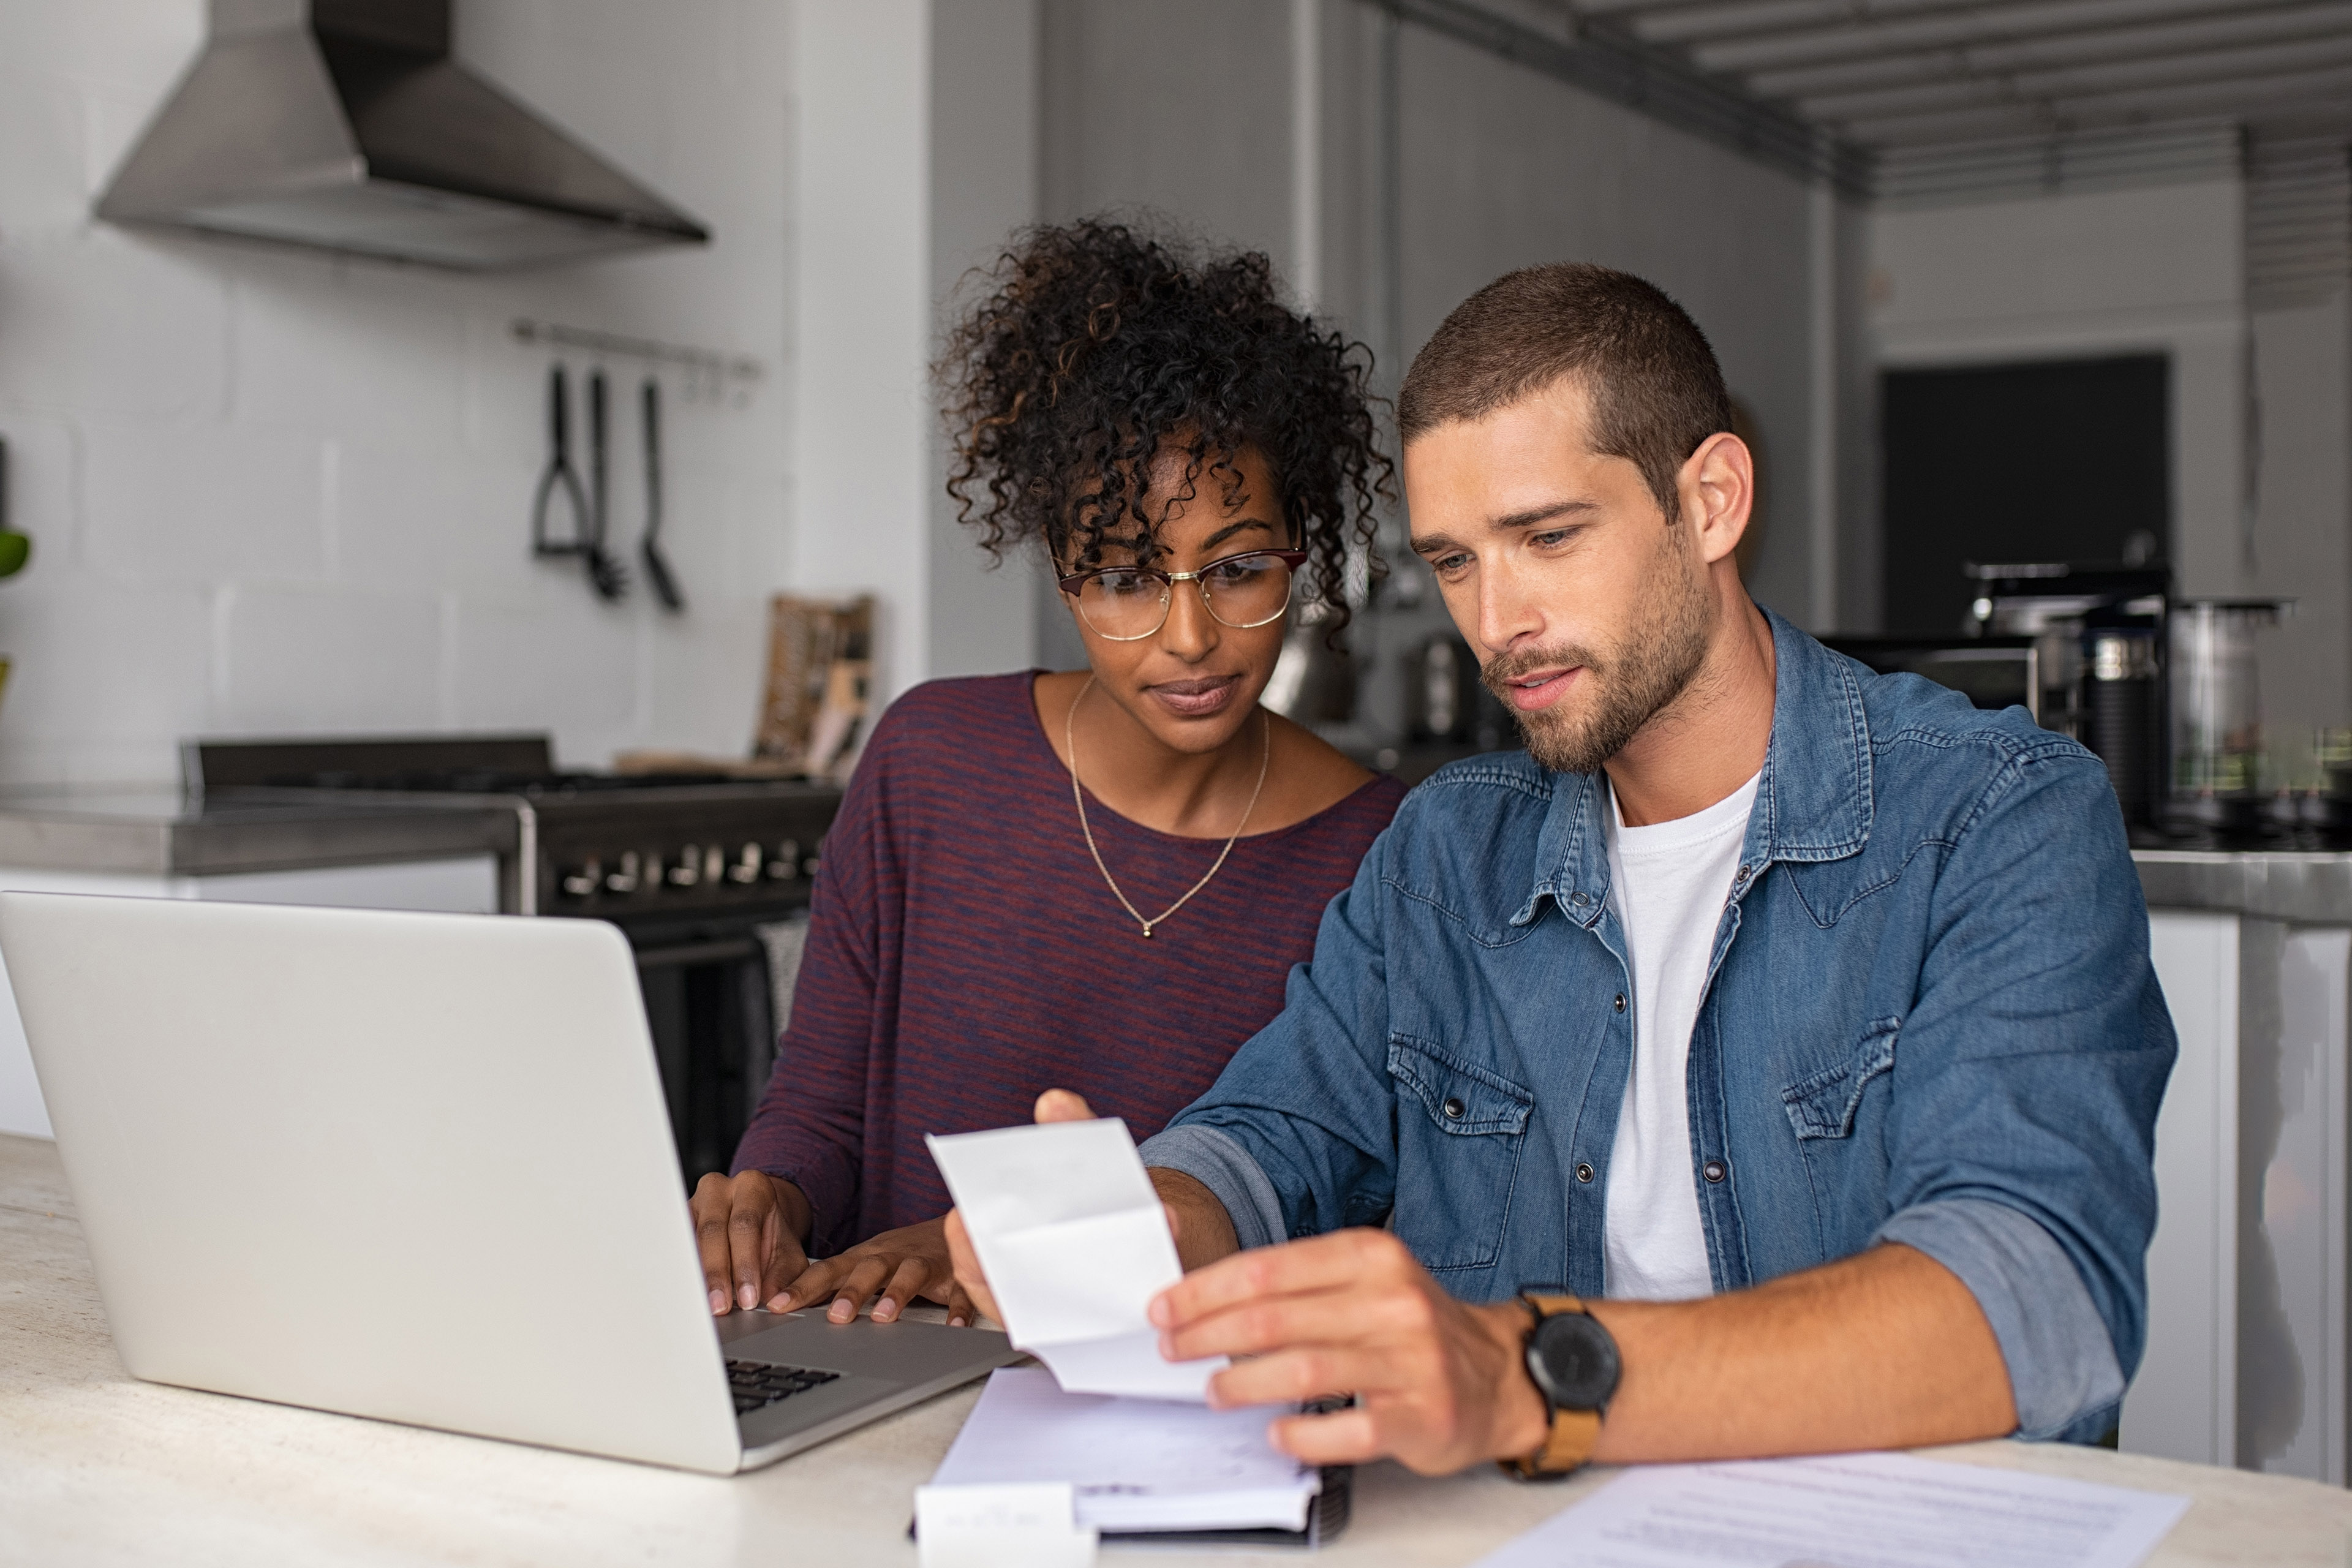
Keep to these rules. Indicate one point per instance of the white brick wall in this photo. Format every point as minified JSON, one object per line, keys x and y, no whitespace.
{"x":271,"y":490}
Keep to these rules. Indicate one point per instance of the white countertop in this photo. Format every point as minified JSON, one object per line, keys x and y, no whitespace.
{"x":97,"y":1468}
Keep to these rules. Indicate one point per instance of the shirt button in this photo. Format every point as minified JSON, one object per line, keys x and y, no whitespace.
{"x":1621,"y":1002}
{"x":1454,"y":1108}
{"x":1583,"y":1171}
{"x":1715,"y":1169}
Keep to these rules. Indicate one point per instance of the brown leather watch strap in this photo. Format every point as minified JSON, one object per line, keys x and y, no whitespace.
{"x":1574,"y":1434}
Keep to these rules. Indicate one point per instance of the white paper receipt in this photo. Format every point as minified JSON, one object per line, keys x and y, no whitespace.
{"x":1075,"y":1243}
{"x":1850,"y":1511}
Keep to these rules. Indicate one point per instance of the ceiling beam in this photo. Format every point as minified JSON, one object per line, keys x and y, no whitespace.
{"x":1869,"y":37}
{"x":2320,"y":98}
{"x":2213,"y":66}
{"x":1674,"y":21}
{"x":2317,"y":20}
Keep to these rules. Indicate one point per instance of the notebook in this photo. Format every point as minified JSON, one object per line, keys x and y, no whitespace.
{"x":1143,"y":1466}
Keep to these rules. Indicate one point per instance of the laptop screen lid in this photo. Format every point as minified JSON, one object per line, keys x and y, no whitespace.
{"x":407,"y":1166}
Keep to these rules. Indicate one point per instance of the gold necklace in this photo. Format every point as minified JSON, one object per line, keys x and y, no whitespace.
{"x":1070,"y":744}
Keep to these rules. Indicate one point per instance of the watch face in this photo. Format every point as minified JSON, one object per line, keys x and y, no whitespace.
{"x":1573,"y":1360}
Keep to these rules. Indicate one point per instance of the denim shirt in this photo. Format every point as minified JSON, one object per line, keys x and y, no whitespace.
{"x":1930,"y":1018}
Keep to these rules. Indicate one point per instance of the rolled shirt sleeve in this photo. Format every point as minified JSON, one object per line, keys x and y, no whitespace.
{"x":1219,"y":1164}
{"x":2063,"y":1370}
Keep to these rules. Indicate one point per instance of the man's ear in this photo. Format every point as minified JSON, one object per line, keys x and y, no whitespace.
{"x":1717,"y":486}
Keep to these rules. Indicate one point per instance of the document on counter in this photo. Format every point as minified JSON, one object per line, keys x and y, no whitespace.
{"x":1076,"y":1245}
{"x":1849,"y":1510}
{"x":1135,"y":1465}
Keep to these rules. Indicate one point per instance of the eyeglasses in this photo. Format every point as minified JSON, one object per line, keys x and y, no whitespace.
{"x":1128,"y":603}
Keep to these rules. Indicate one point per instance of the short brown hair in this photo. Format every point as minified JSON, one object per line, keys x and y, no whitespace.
{"x":1656,"y":390}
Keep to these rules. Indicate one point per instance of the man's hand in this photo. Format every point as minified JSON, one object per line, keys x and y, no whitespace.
{"x":748,"y":1228}
{"x":900,"y":1264}
{"x":1440,"y":1384}
{"x":1203,"y":1229}
{"x":1887,"y":1349}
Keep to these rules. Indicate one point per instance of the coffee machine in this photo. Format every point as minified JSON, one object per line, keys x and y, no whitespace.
{"x":2100,"y":631}
{"x":2166,"y":690}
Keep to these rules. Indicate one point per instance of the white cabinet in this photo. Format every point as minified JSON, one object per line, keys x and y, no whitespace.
{"x":2246,"y":1343}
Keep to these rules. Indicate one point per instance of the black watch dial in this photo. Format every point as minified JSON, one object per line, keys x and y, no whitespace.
{"x":1573,"y":1360}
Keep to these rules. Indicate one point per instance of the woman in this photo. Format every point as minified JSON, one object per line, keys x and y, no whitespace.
{"x":1100,"y":878}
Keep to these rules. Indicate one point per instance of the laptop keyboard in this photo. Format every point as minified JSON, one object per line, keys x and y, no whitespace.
{"x":758,"y":1384}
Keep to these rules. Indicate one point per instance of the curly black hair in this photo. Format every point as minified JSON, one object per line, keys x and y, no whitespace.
{"x":1098,"y":345}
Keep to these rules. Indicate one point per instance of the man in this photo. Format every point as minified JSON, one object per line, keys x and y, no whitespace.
{"x":1787,"y":1031}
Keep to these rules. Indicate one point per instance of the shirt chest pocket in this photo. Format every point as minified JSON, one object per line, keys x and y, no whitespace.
{"x":1461,"y":1131}
{"x":1839,"y":1115}
{"x":1827,"y":1104}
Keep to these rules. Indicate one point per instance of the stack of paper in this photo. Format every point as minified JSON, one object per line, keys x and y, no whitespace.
{"x":1076,"y":1245}
{"x":1855,"y":1511}
{"x":1135,"y":1465}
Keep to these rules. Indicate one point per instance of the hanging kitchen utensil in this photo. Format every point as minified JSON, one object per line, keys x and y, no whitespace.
{"x":560,"y":472}
{"x":657,"y":570}
{"x":606,"y":575}
{"x":15,"y":548}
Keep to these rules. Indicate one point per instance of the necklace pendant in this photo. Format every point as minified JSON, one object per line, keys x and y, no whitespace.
{"x":1146,"y":933}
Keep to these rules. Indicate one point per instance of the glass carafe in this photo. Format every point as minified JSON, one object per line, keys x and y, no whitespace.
{"x":2217,"y":701}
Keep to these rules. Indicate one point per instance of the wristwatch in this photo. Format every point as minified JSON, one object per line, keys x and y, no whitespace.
{"x":1573,"y":1362}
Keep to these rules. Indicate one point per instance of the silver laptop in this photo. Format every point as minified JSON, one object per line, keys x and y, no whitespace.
{"x":415,"y":1167}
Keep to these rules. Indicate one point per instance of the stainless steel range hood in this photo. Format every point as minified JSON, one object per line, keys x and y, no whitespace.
{"x":345,"y":125}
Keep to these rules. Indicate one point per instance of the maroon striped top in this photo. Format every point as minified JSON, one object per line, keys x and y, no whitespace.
{"x":964,"y":955}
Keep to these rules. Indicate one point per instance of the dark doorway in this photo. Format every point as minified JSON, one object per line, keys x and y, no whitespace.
{"x":2060,"y":461}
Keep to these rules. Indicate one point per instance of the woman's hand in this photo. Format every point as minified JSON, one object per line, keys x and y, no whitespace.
{"x":900,"y":1264}
{"x":748,"y":1228}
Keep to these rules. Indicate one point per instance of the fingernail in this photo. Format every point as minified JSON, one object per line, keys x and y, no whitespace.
{"x":957,"y":1323}
{"x":884,"y":1309}
{"x":782,"y":1303}
{"x":748,"y":1296}
{"x":718,"y":1303}
{"x":841,"y":1311}
{"x":1158,"y":1312}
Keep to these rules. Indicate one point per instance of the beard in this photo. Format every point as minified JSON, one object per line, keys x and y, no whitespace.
{"x":1631,"y":683}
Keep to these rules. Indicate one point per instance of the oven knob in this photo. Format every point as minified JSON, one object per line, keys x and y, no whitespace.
{"x":787,"y":863}
{"x":714,"y":864}
{"x":747,"y":864}
{"x":686,"y":872}
{"x":624,"y":881}
{"x":579,"y":884}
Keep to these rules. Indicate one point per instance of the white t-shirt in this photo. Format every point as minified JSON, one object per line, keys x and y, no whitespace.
{"x":1668,"y":883}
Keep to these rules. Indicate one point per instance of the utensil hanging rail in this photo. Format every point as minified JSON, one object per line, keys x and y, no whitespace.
{"x":703,"y":361}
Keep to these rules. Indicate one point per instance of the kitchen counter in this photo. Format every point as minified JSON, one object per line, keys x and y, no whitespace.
{"x":2311,"y":888}
{"x":98,"y":1469}
{"x":161,"y":833}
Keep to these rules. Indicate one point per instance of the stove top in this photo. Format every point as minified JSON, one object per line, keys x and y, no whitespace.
{"x":629,"y":847}
{"x":489,"y":781}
